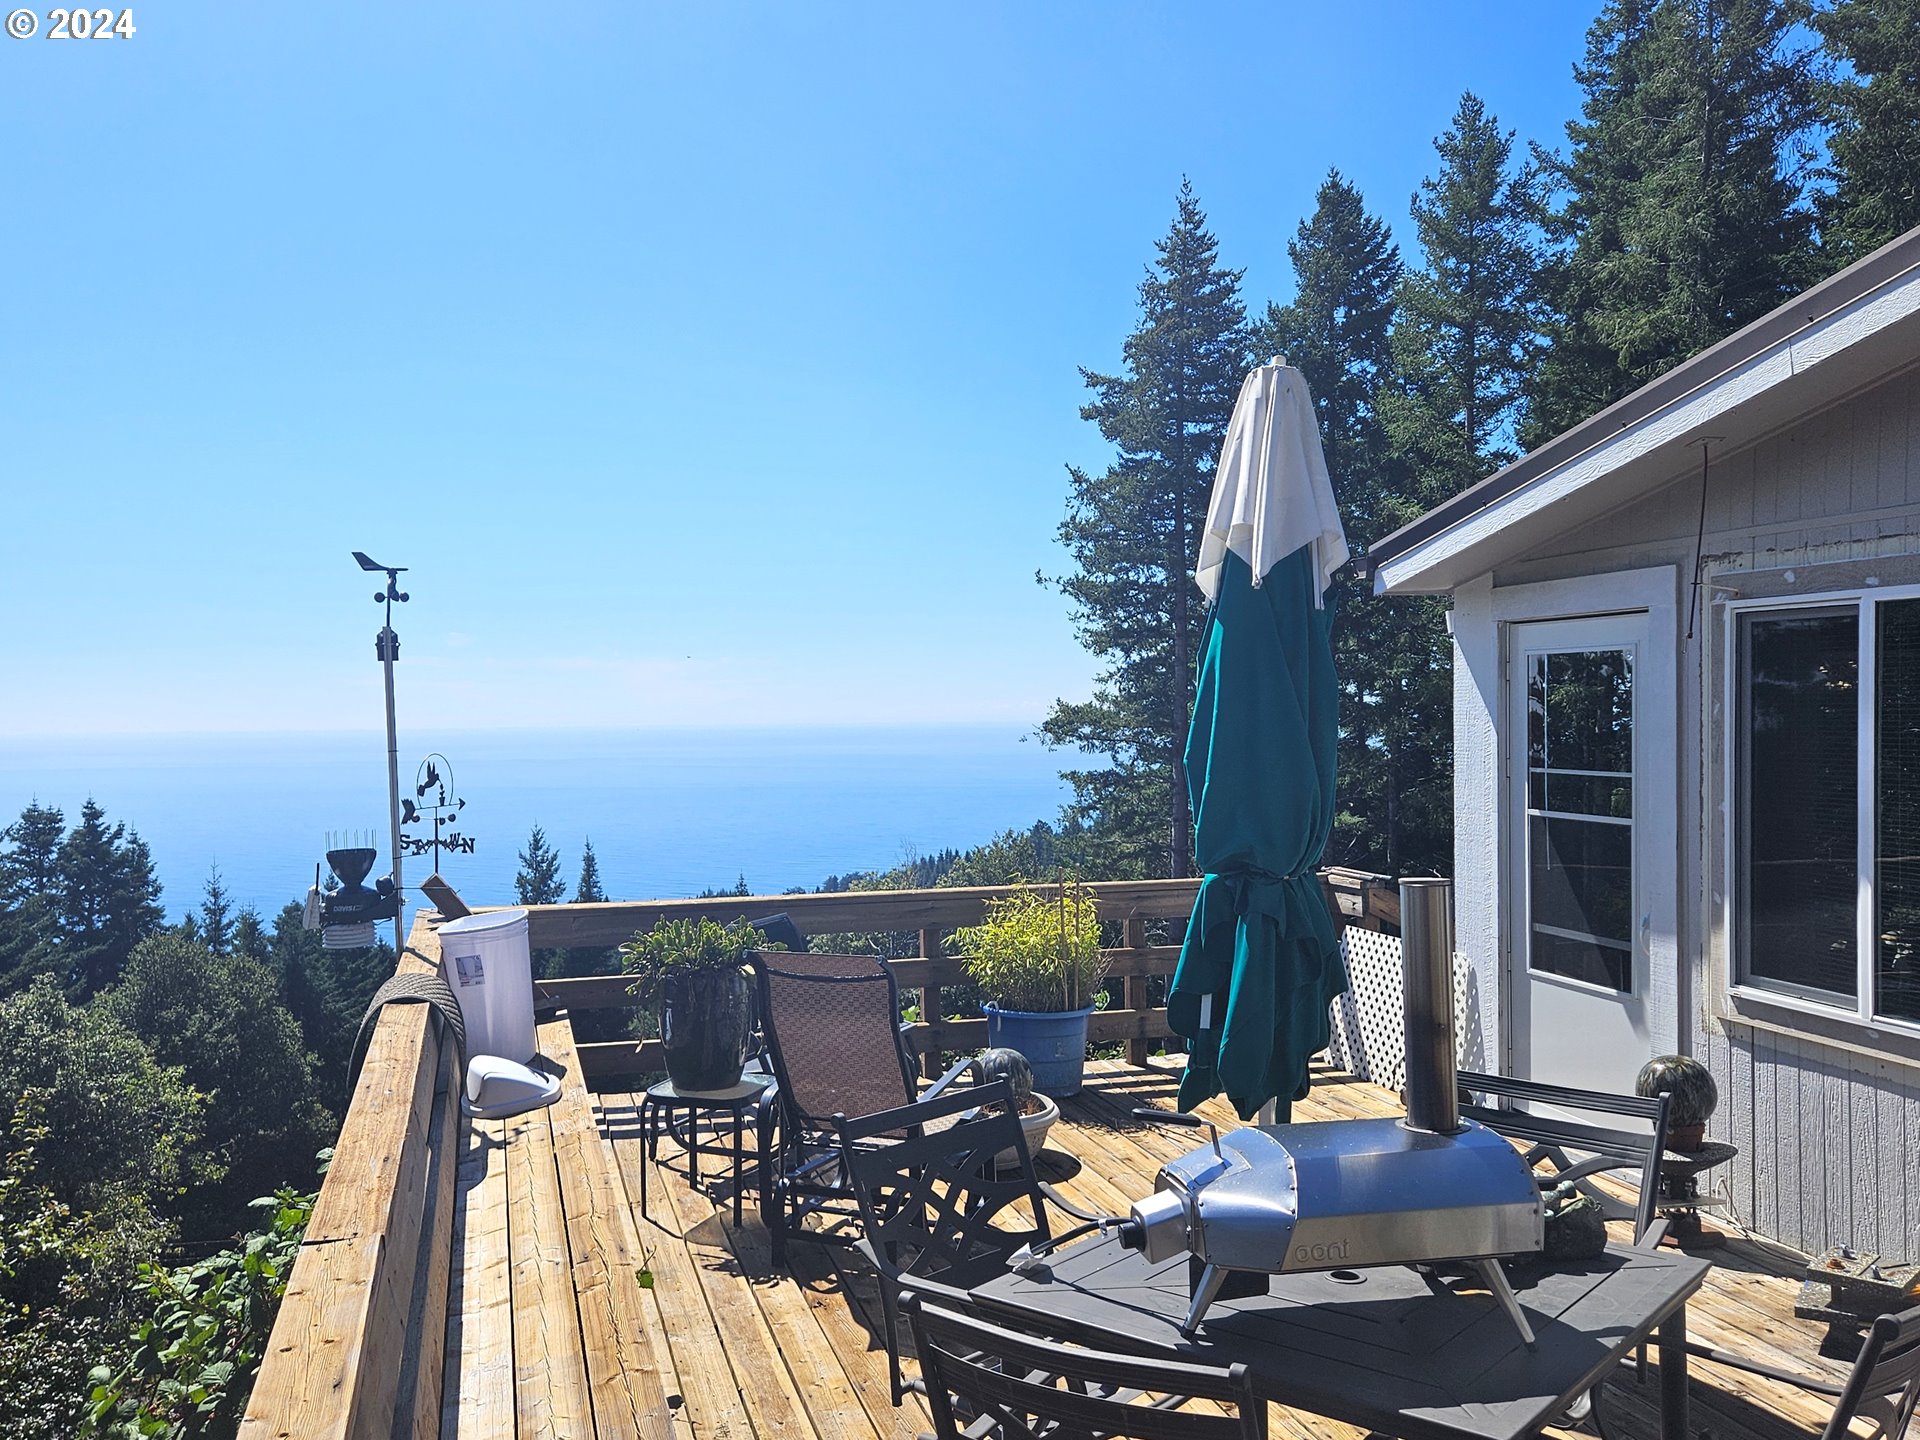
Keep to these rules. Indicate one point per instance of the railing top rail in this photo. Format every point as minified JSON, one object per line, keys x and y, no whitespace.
{"x":610,"y":922}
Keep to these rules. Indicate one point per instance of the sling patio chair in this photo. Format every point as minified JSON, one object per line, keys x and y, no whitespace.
{"x":1021,"y":1387}
{"x":836,"y":1046}
{"x":941,"y":1210}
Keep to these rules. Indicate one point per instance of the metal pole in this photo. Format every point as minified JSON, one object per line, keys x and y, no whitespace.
{"x":387,"y":647}
{"x":1426,"y":948}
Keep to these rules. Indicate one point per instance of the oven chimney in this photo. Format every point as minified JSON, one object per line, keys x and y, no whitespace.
{"x":1426,"y":949}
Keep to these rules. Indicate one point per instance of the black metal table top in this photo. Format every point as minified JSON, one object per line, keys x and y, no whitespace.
{"x":1399,"y":1351}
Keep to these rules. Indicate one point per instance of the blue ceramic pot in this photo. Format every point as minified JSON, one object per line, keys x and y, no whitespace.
{"x":1055,"y":1044}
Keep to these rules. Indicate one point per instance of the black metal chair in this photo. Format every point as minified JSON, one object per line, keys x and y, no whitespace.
{"x":834,"y":1041}
{"x":1882,"y":1387}
{"x":938,"y":1208}
{"x":1021,"y":1387}
{"x":1555,"y":1141}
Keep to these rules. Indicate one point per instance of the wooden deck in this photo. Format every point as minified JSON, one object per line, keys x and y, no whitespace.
{"x":571,"y":1316}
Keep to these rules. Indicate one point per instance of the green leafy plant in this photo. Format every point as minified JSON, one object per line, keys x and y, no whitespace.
{"x":1038,"y":950}
{"x":687,"y":947}
{"x":195,"y":1355}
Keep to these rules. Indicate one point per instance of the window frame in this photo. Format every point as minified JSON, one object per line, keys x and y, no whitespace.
{"x":1864,"y":601}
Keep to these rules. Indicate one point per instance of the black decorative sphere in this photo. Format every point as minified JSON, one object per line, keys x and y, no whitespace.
{"x":1000,"y":1063}
{"x":1693,"y":1097}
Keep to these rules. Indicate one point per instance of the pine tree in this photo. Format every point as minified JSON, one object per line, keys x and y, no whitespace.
{"x":1470,"y":320}
{"x":216,"y":922}
{"x":29,"y":891}
{"x":1133,"y":532}
{"x":1346,"y":271}
{"x":1874,"y":151}
{"x":538,"y":881}
{"x":1681,"y":214}
{"x":589,"y":891}
{"x":250,"y":935}
{"x":107,"y":900}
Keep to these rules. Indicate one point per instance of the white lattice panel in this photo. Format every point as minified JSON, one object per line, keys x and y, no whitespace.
{"x":1369,"y":1032}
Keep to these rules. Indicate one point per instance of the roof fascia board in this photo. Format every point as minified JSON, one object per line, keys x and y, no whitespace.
{"x":1762,"y":378}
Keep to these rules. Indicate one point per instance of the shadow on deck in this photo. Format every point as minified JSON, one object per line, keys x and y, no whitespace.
{"x":572,"y":1315}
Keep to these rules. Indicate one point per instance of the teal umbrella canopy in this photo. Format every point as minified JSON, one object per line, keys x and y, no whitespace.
{"x":1261,"y":963}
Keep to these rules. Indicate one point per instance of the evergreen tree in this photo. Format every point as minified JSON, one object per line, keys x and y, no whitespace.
{"x":1133,"y":532}
{"x":29,"y":893}
{"x":1681,"y":214}
{"x":216,"y":919}
{"x":107,"y":901}
{"x":1874,"y":150}
{"x":538,"y":881}
{"x":1346,"y":272}
{"x":589,"y":891}
{"x":249,"y":935}
{"x":1470,"y":320}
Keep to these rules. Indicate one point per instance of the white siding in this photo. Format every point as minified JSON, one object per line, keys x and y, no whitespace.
{"x":1827,"y":1135}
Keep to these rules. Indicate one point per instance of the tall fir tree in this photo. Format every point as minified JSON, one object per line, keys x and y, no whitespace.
{"x":108,"y":900}
{"x":1133,"y":532}
{"x":1681,"y":213}
{"x":589,"y":891}
{"x":1338,"y":331}
{"x":29,"y":894}
{"x":590,"y":959}
{"x":216,"y":916}
{"x":1874,"y":111}
{"x":538,"y":882}
{"x":1469,"y":329}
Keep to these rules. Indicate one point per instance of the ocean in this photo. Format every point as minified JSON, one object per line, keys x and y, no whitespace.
{"x":670,"y":812}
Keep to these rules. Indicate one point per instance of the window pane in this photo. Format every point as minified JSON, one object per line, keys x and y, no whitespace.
{"x":1799,"y":849}
{"x":1581,"y":890}
{"x":1590,"y":794}
{"x":1897,"y":850}
{"x":1589,"y":711}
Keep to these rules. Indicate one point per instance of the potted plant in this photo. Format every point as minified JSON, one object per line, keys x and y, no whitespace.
{"x":1037,"y":1112}
{"x":1037,"y":960}
{"x":694,"y":970}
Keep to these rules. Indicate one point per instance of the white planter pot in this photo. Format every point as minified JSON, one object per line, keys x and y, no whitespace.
{"x":1034,"y":1127}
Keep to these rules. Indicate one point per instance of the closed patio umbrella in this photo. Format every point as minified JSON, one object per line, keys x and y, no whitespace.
{"x":1261,"y":964}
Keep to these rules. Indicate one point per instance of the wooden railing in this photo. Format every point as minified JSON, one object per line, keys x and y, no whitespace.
{"x":1130,"y":1016}
{"x":357,"y":1351}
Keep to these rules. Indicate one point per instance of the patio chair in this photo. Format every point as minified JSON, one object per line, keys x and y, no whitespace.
{"x":836,"y":1046}
{"x":937,"y":1208}
{"x":1021,"y":1387}
{"x":1555,"y":1141}
{"x":1881,"y":1389}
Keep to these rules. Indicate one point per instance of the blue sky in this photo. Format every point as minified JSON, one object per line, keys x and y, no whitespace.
{"x":707,"y":364}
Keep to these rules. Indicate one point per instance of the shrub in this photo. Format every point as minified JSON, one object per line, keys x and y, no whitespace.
{"x":1038,"y":950}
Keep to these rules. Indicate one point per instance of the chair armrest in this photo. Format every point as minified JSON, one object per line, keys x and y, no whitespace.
{"x":1811,"y":1383}
{"x":961,"y":1067}
{"x":1650,"y":1238}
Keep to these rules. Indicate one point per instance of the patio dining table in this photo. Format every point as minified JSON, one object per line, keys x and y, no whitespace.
{"x":1396,"y":1350}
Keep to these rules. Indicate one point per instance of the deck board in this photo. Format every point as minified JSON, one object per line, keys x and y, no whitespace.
{"x":548,"y":1219}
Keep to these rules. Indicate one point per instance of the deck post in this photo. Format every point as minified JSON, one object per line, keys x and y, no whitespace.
{"x":930,"y":1065}
{"x":1133,"y":935}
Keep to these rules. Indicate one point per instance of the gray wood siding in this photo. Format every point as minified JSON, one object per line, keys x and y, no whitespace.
{"x":1829,"y":1138}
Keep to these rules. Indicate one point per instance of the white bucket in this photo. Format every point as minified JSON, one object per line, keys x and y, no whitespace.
{"x":486,"y":961}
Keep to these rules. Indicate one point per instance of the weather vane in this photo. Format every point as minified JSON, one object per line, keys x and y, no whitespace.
{"x":434,"y":798}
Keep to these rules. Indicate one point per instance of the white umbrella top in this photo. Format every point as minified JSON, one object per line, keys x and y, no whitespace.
{"x":1271,"y":494}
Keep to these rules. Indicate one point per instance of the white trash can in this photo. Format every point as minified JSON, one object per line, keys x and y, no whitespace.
{"x":486,"y":960}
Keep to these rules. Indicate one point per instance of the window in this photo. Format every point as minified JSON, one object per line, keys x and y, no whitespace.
{"x":1826,"y":770}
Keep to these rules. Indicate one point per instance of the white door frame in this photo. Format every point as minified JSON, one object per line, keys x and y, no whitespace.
{"x":1656,"y":763}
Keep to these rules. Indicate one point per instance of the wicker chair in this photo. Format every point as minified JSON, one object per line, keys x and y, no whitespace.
{"x":836,"y":1046}
{"x":1019,"y":1387}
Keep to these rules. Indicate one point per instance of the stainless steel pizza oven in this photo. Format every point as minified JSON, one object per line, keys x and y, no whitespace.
{"x":1339,"y":1194}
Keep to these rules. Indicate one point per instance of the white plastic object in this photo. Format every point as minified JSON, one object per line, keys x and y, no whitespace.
{"x":497,"y":1087}
{"x":486,"y":961}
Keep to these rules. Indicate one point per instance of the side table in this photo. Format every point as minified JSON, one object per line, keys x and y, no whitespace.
{"x":703,"y":1135}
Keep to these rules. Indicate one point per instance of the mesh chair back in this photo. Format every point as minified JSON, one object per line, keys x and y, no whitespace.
{"x":833,"y":1029}
{"x":1636,"y":1152}
{"x":1032,"y":1389}
{"x":1885,"y":1383}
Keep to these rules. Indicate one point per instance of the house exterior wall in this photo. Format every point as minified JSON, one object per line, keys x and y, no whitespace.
{"x":1826,"y":1115}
